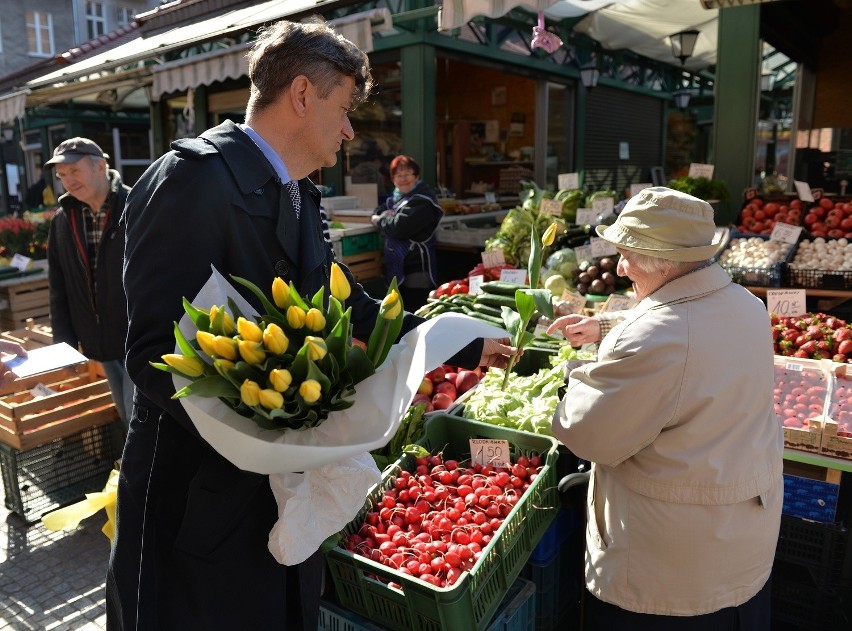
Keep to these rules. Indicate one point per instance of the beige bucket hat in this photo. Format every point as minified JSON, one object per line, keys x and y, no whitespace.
{"x":666,"y":224}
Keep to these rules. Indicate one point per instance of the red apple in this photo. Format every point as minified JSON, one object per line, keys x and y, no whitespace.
{"x":451,"y":377}
{"x":424,"y":399}
{"x":442,"y":400}
{"x":448,"y":388}
{"x":436,"y":375}
{"x":426,"y":387}
{"x":467,"y":379}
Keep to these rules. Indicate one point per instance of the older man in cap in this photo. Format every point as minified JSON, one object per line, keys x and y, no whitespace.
{"x":88,"y":308}
{"x":677,"y":415}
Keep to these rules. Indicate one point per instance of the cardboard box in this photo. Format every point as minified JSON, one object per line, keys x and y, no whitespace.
{"x":837,"y":429}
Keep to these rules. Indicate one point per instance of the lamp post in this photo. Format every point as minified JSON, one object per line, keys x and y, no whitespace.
{"x":589,"y":75}
{"x":683,"y":45}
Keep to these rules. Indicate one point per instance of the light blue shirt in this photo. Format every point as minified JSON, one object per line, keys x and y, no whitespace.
{"x":274,"y":159}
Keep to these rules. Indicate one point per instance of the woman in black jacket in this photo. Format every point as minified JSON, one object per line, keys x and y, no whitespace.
{"x":408,"y":225}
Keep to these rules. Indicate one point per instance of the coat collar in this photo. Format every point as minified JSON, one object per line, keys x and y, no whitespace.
{"x":689,"y":287}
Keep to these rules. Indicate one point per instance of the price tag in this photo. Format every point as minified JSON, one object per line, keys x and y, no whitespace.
{"x":568,"y":180}
{"x":572,"y":301}
{"x":804,"y":191}
{"x":550,"y":207}
{"x":475,"y":284}
{"x":603,"y":206}
{"x":635,"y":188}
{"x":492,"y":258}
{"x":818,"y":193}
{"x":489,"y":451}
{"x":518,"y":276}
{"x":20,"y":261}
{"x":785,"y":232}
{"x":41,"y":390}
{"x":696,"y":169}
{"x":749,"y":194}
{"x":490,"y":197}
{"x":540,"y":330}
{"x":619,"y":302}
{"x":786,"y":303}
{"x":587,"y":216}
{"x":601,"y":247}
{"x":583,"y":253}
{"x":793,"y":367}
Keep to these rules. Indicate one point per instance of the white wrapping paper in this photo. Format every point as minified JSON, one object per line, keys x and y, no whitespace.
{"x":320,"y":476}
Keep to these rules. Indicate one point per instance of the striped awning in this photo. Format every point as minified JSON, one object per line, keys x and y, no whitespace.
{"x":457,"y":13}
{"x":12,"y":106}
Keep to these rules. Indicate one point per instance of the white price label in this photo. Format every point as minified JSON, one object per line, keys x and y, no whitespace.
{"x":20,"y":261}
{"x":493,"y":258}
{"x":475,"y":284}
{"x":786,"y":303}
{"x":518,"y":276}
{"x":602,"y":247}
{"x":785,"y":232}
{"x":583,"y":252}
{"x":619,"y":302}
{"x":41,"y":390}
{"x":804,"y":191}
{"x":587,"y":216}
{"x":568,"y":180}
{"x":603,"y":206}
{"x":550,"y":207}
{"x":696,"y":169}
{"x":636,"y":188}
{"x":794,"y":367}
{"x":489,"y":451}
{"x":490,"y":197}
{"x":572,"y":302}
{"x":540,"y":330}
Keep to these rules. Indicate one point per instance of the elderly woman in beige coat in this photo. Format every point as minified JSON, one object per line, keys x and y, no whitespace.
{"x":676,"y":415}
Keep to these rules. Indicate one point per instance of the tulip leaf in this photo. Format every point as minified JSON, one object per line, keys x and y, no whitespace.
{"x":212,"y":386}
{"x":534,"y":265}
{"x":268,"y":305}
{"x":299,"y":367}
{"x":514,"y":325}
{"x":335,"y":312}
{"x":358,"y":364}
{"x":525,"y":304}
{"x":235,"y":310}
{"x":385,"y":331}
{"x":317,"y":300}
{"x":543,"y":301}
{"x":185,"y":347}
{"x":201,"y":319}
{"x":297,"y":299}
{"x":318,"y":375}
{"x":336,"y":341}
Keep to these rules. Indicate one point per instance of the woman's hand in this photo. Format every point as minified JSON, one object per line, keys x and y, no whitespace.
{"x":496,"y":352}
{"x":11,"y":348}
{"x":577,"y":329}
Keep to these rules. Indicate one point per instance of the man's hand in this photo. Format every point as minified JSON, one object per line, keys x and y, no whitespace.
{"x":496,"y":352}
{"x":577,"y":329}
{"x":11,"y":348}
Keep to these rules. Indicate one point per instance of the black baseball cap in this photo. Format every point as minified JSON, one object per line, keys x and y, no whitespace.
{"x":74,"y":149}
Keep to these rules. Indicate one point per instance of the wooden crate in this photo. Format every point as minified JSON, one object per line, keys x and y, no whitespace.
{"x":26,"y":300}
{"x":365,"y":266}
{"x":83,"y":400}
{"x":33,"y":335}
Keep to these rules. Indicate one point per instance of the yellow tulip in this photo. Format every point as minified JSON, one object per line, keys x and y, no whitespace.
{"x":549,"y":235}
{"x":270,"y":399}
{"x":314,"y":319}
{"x":310,"y":390}
{"x":225,"y":347}
{"x":222,"y":366}
{"x":248,"y":330}
{"x":250,"y":393}
{"x":251,"y":352}
{"x":188,"y":366}
{"x":296,"y":317}
{"x":280,"y":379}
{"x":274,"y":339}
{"x":338,"y":283}
{"x":228,"y":327}
{"x":205,"y":341}
{"x":280,"y":292}
{"x":316,"y":347}
{"x":391,"y":305}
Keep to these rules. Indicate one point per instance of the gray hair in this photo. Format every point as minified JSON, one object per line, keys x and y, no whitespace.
{"x":285,"y":50}
{"x":656,"y":265}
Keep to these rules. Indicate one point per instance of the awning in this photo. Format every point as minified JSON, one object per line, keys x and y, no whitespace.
{"x":231,"y":63}
{"x":12,"y":106}
{"x":457,"y":13}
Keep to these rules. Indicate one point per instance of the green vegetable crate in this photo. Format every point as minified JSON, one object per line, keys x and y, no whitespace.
{"x":363,"y":585}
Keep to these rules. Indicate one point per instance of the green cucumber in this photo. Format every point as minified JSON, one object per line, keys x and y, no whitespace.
{"x":501,"y":287}
{"x":496,"y":300}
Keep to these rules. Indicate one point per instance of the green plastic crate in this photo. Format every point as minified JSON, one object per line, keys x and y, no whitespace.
{"x":362,"y":585}
{"x":358,"y":243}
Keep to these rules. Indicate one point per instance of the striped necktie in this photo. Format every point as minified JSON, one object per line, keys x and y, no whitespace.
{"x":295,"y":196}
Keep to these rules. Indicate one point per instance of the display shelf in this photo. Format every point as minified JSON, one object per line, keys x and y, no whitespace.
{"x":498,"y":215}
{"x":833,"y":466}
{"x":494,"y":163}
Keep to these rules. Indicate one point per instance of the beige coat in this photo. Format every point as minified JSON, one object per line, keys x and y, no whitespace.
{"x":677,"y":413}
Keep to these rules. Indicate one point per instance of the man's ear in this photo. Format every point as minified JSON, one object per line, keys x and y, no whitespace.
{"x":298,"y":94}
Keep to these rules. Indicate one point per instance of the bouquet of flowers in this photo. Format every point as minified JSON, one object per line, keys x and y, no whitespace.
{"x":290,"y":367}
{"x":25,"y":235}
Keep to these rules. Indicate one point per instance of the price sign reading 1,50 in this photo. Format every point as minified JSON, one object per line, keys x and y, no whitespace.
{"x":488,"y":451}
{"x":786,"y":303}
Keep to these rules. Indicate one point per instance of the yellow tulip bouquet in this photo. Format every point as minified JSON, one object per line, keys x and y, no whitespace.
{"x":289,"y":367}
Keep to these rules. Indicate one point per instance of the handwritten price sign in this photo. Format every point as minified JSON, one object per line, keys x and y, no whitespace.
{"x":489,"y":451}
{"x":786,"y":303}
{"x":493,"y":258}
{"x":785,"y":232}
{"x":568,"y":180}
{"x":550,"y":207}
{"x":602,"y":247}
{"x":603,"y":206}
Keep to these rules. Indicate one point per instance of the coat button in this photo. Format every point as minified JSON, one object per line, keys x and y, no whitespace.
{"x":281,"y":268}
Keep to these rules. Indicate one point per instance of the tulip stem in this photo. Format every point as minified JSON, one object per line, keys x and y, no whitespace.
{"x":376,"y":353}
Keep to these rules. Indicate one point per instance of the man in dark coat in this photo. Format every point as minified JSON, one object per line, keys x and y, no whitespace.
{"x":85,"y":252}
{"x":192,"y":529}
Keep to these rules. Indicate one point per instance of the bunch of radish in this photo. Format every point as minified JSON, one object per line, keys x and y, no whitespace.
{"x":443,"y":385}
{"x":433,"y":523}
{"x":799,"y":395}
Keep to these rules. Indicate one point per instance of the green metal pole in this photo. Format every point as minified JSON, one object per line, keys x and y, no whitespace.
{"x":737,"y":92}
{"x":419,"y":86}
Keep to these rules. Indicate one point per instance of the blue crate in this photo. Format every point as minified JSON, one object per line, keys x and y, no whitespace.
{"x":810,"y":499}
{"x":517,"y":611}
{"x":332,"y":617}
{"x":555,"y":536}
{"x":558,"y":584}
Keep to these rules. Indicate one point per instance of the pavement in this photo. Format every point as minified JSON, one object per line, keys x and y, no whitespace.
{"x":52,"y":581}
